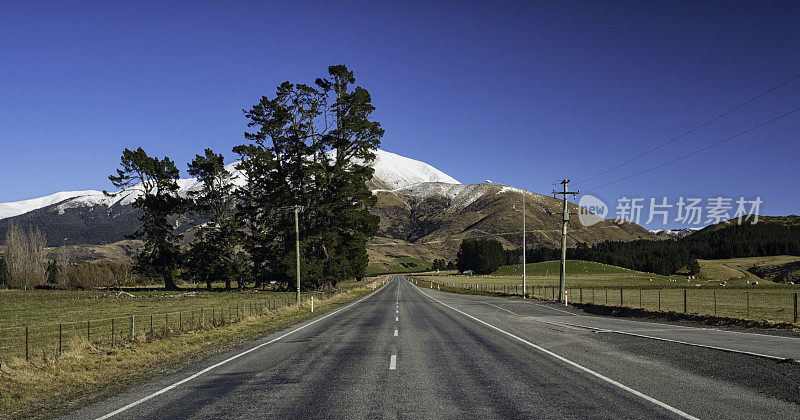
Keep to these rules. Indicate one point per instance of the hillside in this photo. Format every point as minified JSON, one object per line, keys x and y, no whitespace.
{"x":434,"y":218}
{"x":425,"y":214}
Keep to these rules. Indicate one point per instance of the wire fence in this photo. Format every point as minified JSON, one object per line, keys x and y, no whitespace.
{"x":53,"y":339}
{"x":773,"y":305}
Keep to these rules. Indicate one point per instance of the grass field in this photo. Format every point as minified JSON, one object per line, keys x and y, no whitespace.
{"x":734,"y":269}
{"x":86,"y":370}
{"x":602,"y":284}
{"x":59,"y":318}
{"x":400,"y":265}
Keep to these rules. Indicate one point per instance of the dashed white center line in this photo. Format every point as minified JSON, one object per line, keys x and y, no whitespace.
{"x":395,"y":332}
{"x":396,"y":318}
{"x":393,"y":362}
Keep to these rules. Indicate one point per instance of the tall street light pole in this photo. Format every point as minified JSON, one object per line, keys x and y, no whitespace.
{"x":297,"y":247}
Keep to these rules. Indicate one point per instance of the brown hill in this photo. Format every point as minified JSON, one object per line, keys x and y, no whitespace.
{"x":430,"y":220}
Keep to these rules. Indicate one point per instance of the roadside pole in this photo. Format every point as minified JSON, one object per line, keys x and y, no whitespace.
{"x":564,"y":221}
{"x":523,"y":246}
{"x":297,"y":247}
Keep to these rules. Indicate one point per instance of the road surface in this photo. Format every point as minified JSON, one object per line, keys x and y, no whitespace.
{"x":412,"y":352}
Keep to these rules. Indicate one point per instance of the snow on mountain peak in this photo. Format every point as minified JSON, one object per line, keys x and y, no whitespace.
{"x":392,"y":171}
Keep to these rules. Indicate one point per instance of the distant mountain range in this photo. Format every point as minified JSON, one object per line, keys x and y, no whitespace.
{"x":425,"y":214}
{"x":675,"y":233}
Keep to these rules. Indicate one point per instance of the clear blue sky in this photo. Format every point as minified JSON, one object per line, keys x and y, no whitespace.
{"x":522,"y":94}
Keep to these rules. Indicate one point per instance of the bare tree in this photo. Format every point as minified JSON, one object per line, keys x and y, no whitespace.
{"x":25,"y":257}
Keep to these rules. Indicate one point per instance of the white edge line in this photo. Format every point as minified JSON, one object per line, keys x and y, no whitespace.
{"x":189,"y":378}
{"x":687,"y":327}
{"x":553,"y":309}
{"x":669,"y":340}
{"x":571,"y":363}
{"x":498,"y":307}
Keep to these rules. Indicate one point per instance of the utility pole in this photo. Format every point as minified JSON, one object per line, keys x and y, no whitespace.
{"x":297,"y":247}
{"x":564,"y":221}
{"x":524,"y":289}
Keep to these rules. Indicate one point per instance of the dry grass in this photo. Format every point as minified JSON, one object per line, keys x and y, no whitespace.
{"x":767,"y":301}
{"x":736,"y":268}
{"x":91,"y":371}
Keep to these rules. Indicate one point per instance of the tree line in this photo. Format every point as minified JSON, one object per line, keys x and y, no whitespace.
{"x":765,"y":238}
{"x":771,"y":236}
{"x":442,"y":264}
{"x":481,"y":256}
{"x":307,"y":154}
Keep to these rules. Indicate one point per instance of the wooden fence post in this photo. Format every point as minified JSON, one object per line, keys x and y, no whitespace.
{"x":202,"y":318}
{"x":59,"y":338}
{"x":684,"y":300}
{"x":747,"y":296}
{"x":88,"y":334}
{"x":659,"y":300}
{"x":715,"y":303}
{"x":112,"y":332}
{"x":620,"y":297}
{"x":166,"y":324}
{"x":132,"y":329}
{"x":26,"y":343}
{"x":795,"y":307}
{"x":640,"y":298}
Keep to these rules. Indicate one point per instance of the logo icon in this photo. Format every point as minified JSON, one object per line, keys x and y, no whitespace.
{"x":591,"y":210}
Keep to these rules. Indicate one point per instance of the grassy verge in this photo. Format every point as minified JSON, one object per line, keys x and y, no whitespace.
{"x":89,"y":371}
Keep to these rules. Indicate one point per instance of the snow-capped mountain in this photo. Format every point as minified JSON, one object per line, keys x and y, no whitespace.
{"x":392,"y":171}
{"x":424,"y":213}
{"x":675,"y":233}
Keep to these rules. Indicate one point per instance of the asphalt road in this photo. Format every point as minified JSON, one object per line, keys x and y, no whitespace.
{"x":409,"y":352}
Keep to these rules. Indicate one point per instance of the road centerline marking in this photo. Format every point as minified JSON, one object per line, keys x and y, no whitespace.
{"x":393,"y":362}
{"x":395,"y":332}
{"x":571,"y":363}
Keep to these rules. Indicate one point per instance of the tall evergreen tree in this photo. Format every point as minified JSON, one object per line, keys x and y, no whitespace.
{"x":483,"y":256}
{"x":212,"y":255}
{"x":154,"y":181}
{"x":311,"y":147}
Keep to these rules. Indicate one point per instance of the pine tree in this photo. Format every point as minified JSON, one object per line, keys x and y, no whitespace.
{"x":483,"y":256}
{"x":212,"y":255}
{"x":154,"y":181}
{"x":693,"y":266}
{"x":311,"y":147}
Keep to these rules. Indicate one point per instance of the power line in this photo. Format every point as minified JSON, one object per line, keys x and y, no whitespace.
{"x":693,"y":129}
{"x":701,"y":149}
